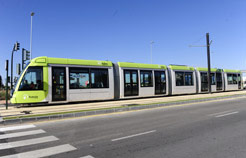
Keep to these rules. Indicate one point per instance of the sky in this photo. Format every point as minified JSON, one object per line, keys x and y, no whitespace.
{"x":121,"y":30}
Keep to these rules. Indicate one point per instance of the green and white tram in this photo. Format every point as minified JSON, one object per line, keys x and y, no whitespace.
{"x":60,"y":80}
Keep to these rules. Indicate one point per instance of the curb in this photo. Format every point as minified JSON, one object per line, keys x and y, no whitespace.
{"x":107,"y":111}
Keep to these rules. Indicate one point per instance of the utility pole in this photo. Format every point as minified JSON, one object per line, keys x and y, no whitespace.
{"x":208,"y":57}
{"x":6,"y":85}
{"x":151,"y":43}
{"x":208,"y":60}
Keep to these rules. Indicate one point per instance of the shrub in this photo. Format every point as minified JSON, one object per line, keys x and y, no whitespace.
{"x":2,"y":95}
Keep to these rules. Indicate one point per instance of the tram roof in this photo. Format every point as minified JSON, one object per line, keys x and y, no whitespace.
{"x":232,"y":71}
{"x":206,"y":69}
{"x":44,"y":61}
{"x":139,"y":65}
{"x":181,"y":67}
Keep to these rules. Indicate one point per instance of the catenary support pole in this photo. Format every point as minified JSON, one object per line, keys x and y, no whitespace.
{"x":208,"y":57}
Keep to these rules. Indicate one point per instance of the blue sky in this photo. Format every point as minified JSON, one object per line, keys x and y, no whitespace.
{"x":121,"y":30}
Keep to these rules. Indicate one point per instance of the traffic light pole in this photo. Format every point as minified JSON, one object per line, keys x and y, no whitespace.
{"x":16,"y":48}
{"x":23,"y":58}
{"x":11,"y":80}
{"x":208,"y":57}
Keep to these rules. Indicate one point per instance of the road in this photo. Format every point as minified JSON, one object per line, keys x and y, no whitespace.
{"x":202,"y":130}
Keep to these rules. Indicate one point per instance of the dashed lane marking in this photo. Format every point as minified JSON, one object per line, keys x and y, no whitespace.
{"x":231,"y":113}
{"x":134,"y":135}
{"x":88,"y":156}
{"x":219,"y":113}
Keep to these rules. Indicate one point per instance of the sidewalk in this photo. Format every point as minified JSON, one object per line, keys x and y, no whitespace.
{"x":2,"y":102}
{"x":13,"y":111}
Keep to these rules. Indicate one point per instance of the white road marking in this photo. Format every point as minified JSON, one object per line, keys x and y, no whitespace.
{"x":43,"y":152}
{"x":12,"y":128}
{"x":231,"y":113}
{"x":27,"y":142}
{"x":88,"y":156}
{"x":20,"y":134}
{"x":218,"y":113}
{"x":134,"y":135}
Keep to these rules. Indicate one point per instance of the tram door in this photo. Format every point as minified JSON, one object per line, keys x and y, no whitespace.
{"x":204,"y":81}
{"x":131,"y":82}
{"x":239,"y":81}
{"x":160,"y":82}
{"x":58,"y":84}
{"x":218,"y":81}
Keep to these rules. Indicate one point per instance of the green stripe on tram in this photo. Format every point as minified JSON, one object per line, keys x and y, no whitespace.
{"x":44,"y":61}
{"x":181,"y":67}
{"x":232,"y":71}
{"x":139,"y":65}
{"x":206,"y":69}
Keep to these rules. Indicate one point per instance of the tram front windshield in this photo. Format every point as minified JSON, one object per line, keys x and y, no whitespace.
{"x":33,"y":79}
{"x":12,"y":91}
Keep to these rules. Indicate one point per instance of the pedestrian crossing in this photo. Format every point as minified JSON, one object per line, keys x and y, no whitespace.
{"x":20,"y":134}
{"x":12,"y":128}
{"x":23,"y":133}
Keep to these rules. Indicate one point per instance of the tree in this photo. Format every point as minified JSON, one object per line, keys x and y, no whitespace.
{"x":1,"y":82}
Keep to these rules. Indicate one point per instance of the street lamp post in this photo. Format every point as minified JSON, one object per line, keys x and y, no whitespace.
{"x":32,"y":14}
{"x":151,"y":43}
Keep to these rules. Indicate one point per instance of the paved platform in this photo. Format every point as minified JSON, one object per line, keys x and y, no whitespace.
{"x":14,"y":111}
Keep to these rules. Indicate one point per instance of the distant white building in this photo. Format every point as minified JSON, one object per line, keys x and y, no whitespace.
{"x":244,"y":82}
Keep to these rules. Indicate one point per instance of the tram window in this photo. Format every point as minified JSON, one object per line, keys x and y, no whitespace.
{"x":218,"y":77}
{"x":99,"y":78}
{"x":127,"y":77}
{"x":184,"y":78}
{"x":188,"y":78}
{"x":146,"y":78}
{"x":234,"y":78}
{"x":163,"y":78}
{"x":212,"y":78}
{"x":78,"y":78}
{"x":179,"y":78}
{"x":229,"y":79}
{"x":32,"y":80}
{"x":204,"y":77}
{"x":239,"y":78}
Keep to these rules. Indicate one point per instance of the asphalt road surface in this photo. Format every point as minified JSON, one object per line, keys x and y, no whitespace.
{"x":202,"y":130}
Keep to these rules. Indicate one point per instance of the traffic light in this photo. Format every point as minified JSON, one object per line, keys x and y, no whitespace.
{"x":26,"y":55}
{"x":18,"y":69}
{"x":17,"y":46}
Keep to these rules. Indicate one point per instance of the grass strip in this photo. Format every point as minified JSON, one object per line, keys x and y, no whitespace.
{"x":117,"y":107}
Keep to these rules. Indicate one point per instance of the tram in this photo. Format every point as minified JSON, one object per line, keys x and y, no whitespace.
{"x":60,"y":80}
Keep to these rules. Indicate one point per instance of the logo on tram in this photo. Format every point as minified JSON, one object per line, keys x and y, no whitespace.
{"x":25,"y":96}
